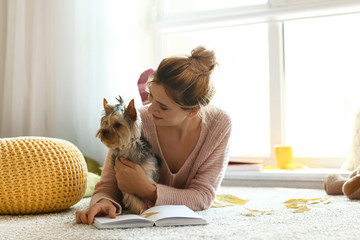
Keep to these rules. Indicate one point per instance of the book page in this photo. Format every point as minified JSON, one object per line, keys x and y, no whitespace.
{"x":173,"y":215}
{"x":167,"y":215}
{"x":122,"y":221}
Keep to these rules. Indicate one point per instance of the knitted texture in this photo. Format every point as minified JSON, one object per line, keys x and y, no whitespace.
{"x":40,"y":175}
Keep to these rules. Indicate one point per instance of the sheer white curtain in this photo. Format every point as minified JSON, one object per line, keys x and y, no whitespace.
{"x":60,"y":58}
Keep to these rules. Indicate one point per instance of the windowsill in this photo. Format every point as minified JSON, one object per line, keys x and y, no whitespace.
{"x":302,"y":178}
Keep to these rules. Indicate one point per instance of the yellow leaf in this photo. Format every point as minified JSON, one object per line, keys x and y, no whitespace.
{"x":310,"y":200}
{"x":299,"y":200}
{"x":313,"y":199}
{"x":254,"y":212}
{"x":251,"y":210}
{"x":290,"y":200}
{"x":301,"y":204}
{"x":218,"y":204}
{"x":228,"y":198}
{"x":293,"y":205}
{"x":302,"y":209}
{"x":146,"y":215}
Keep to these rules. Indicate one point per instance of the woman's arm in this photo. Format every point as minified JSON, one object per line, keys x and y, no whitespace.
{"x":107,"y":188}
{"x":131,"y":178}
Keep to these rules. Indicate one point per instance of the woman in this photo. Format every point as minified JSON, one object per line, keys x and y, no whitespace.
{"x":189,"y":135}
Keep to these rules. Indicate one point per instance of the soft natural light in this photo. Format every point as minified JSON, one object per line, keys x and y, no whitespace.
{"x":322,"y":58}
{"x":242,"y":80}
{"x":186,"y":6}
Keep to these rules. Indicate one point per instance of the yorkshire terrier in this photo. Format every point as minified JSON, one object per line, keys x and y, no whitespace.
{"x":121,"y":132}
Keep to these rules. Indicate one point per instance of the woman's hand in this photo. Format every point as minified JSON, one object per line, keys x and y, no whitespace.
{"x":131,"y":178}
{"x":104,"y":206}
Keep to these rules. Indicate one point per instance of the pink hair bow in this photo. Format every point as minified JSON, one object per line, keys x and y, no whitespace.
{"x":142,"y":85}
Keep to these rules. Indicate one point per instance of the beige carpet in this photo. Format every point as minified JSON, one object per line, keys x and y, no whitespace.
{"x":329,"y":217}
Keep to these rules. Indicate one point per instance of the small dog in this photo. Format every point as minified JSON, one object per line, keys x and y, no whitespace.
{"x":121,"y":132}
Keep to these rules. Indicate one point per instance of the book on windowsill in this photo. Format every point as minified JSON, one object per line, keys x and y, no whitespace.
{"x":246,"y":160}
{"x":160,"y":216}
{"x":242,"y":167}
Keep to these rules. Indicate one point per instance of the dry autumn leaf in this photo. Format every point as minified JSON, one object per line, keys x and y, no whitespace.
{"x":146,"y":215}
{"x":224,"y":200}
{"x":301,"y":204}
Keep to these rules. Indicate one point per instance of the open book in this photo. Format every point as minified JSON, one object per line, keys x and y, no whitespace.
{"x":166,"y":215}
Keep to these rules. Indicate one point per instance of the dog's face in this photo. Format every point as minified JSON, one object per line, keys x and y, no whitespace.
{"x":119,"y":126}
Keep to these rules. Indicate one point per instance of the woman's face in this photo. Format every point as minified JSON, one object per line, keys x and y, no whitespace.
{"x":163,"y":109}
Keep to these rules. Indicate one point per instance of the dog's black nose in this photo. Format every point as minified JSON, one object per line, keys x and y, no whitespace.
{"x":105,"y":133}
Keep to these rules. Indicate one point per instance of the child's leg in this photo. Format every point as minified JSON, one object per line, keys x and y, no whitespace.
{"x":333,"y":184}
{"x":351,"y":187}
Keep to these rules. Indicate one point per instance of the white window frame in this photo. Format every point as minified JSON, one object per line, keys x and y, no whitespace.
{"x":274,"y":14}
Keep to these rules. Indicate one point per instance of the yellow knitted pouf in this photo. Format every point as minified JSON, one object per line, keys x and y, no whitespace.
{"x":39,"y":175}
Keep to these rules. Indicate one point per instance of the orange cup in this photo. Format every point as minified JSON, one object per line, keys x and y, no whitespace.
{"x":284,"y":156}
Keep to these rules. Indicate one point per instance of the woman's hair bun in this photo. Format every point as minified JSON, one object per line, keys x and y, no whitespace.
{"x":187,"y":79}
{"x":202,"y":61}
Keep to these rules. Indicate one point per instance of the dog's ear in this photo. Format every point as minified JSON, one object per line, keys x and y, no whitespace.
{"x":107,"y":107}
{"x":130,"y":110}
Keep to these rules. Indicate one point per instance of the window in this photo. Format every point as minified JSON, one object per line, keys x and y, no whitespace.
{"x":291,"y":81}
{"x":322,"y":58}
{"x":185,"y":6}
{"x":241,"y":80}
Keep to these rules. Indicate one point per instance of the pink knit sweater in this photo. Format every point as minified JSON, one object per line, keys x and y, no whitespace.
{"x":195,"y":184}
